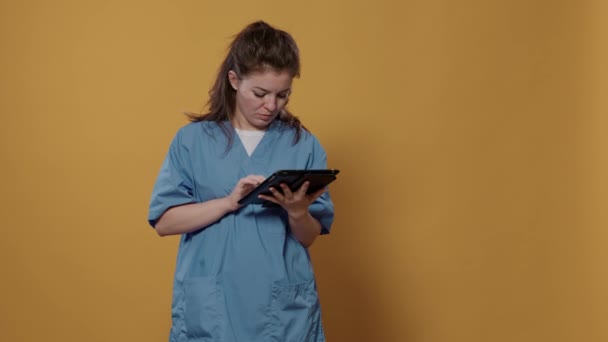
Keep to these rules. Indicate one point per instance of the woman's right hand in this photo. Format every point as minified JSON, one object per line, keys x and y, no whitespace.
{"x":242,"y":188}
{"x":190,"y":217}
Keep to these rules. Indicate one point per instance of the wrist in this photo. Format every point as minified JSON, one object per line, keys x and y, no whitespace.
{"x":298,"y":215}
{"x":230,"y":204}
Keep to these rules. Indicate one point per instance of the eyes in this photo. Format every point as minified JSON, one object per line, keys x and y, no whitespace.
{"x":280,"y":95}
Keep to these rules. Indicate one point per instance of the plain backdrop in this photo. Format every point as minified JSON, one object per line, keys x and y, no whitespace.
{"x":471,"y":135}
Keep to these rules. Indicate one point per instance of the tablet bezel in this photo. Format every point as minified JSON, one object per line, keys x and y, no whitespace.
{"x":319,"y":178}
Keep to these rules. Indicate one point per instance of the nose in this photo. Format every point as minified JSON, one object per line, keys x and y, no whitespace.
{"x":271,"y":104}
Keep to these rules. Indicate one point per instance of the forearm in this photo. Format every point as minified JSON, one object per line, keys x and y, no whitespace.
{"x":304,"y":228}
{"x":191,"y":217}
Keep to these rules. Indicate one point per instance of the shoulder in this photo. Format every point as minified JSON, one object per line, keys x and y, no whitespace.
{"x":290,"y":132}
{"x":310,"y":139}
{"x":185,"y":134}
{"x":195,"y":131}
{"x":192,"y":128}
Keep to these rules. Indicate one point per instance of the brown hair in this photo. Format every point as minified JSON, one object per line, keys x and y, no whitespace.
{"x":258,"y":47}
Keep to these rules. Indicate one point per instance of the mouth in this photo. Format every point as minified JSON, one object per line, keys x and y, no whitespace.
{"x":264,"y":116}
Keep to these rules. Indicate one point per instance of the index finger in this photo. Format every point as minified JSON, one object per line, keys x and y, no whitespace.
{"x":304,"y":188}
{"x":318,"y":193}
{"x":254,"y":178}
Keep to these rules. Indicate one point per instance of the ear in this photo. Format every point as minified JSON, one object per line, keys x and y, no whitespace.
{"x":233,"y":79}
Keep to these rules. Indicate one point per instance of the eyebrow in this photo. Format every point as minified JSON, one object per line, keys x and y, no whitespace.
{"x":268,"y":91}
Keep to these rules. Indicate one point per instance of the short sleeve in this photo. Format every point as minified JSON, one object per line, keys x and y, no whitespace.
{"x":173,"y":185}
{"x":322,"y":208}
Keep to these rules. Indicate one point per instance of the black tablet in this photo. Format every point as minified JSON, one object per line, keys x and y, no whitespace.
{"x":294,"y":179}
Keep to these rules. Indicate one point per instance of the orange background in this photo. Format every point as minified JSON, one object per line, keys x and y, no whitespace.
{"x":471,"y":135}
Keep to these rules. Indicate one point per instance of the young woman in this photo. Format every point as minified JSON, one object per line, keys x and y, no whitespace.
{"x":243,"y":272}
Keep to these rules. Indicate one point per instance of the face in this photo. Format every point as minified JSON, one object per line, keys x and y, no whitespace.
{"x":260,"y":97}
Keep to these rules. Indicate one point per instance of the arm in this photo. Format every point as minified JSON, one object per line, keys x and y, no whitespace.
{"x":304,"y":227}
{"x":191,"y":217}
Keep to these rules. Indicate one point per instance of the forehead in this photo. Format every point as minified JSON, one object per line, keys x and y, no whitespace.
{"x":271,"y":80}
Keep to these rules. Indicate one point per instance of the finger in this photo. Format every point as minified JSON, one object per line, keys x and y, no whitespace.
{"x":317,"y":194}
{"x":269,"y":198}
{"x":286,"y":190}
{"x":277,"y":194}
{"x":250,"y":181}
{"x":258,"y":178}
{"x":304,"y":188}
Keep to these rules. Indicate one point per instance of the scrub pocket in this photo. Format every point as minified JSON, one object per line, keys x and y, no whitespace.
{"x":204,"y":314}
{"x":294,"y":312}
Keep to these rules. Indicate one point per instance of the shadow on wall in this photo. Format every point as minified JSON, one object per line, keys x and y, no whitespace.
{"x":352,"y":285}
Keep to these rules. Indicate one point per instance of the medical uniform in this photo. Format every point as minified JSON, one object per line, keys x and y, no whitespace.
{"x":244,"y":278}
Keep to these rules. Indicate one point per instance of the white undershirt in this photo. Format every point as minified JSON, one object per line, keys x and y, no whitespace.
{"x":250,"y":139}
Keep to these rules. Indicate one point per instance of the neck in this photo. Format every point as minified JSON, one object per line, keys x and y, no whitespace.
{"x":243,"y":125}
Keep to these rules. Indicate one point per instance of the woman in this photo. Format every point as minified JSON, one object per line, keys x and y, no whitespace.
{"x":244,"y":273}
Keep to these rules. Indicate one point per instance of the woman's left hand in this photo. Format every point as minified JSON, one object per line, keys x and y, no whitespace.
{"x":296,"y":203}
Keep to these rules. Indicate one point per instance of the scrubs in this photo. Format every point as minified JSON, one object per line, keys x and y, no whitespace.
{"x":244,"y":278}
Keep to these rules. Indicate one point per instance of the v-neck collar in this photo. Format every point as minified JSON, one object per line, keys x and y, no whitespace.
{"x":258,"y":162}
{"x":264,"y":144}
{"x":240,"y":162}
{"x":250,"y":139}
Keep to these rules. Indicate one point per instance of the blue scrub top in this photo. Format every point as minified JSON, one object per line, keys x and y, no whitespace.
{"x":244,"y":278}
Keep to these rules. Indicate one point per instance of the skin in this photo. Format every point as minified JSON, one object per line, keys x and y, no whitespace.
{"x":260,"y":97}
